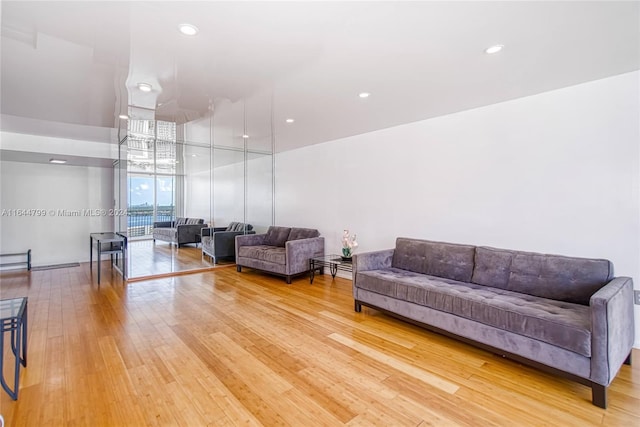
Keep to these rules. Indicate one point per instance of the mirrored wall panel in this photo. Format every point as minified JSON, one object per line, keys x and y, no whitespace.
{"x":178,"y":181}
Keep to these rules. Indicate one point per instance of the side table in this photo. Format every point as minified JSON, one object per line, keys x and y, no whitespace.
{"x":334,"y":262}
{"x":13,"y":314}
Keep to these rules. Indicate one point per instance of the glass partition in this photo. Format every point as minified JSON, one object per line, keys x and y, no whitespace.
{"x":218,"y":168}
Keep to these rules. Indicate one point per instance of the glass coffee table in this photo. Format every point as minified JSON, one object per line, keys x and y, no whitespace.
{"x":334,"y":262}
{"x":13,"y":315}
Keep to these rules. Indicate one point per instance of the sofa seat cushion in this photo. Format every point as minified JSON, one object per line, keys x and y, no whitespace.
{"x":167,"y":233}
{"x":267,"y":253}
{"x":559,"y":323}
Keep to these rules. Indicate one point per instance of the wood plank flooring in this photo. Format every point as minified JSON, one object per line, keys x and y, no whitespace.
{"x":226,"y":348}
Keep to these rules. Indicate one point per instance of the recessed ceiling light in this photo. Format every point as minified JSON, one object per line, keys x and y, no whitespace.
{"x":194,"y":155}
{"x":494,"y":49}
{"x":57,"y":161}
{"x":245,"y":136}
{"x":289,"y":120}
{"x":188,"y":29}
{"x":364,"y":94}
{"x":123,"y":116}
{"x":145,"y":87}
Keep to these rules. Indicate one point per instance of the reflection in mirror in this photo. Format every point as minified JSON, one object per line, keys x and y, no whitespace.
{"x":211,"y":171}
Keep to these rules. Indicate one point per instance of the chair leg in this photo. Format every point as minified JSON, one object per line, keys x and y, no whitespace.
{"x":599,"y":395}
{"x":288,"y":280}
{"x":238,"y":268}
{"x":628,"y":360}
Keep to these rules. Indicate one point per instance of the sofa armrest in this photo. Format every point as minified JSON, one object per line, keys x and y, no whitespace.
{"x":188,"y":233}
{"x":298,"y":252}
{"x":224,"y":242}
{"x":208,"y":231}
{"x":612,"y":328}
{"x":376,"y":260}
{"x":163,"y":224}
{"x":249,"y":240}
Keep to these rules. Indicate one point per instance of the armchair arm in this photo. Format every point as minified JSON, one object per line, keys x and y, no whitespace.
{"x":612,"y":328}
{"x":376,"y":260}
{"x":188,"y":233}
{"x":298,"y":252}
{"x":224,"y":242}
{"x":208,"y":231}
{"x":163,"y":224}
{"x":249,"y":240}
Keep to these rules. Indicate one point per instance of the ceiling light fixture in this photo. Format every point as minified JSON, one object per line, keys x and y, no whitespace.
{"x":364,"y":94}
{"x":494,"y":49}
{"x":188,"y":29}
{"x":123,"y":116}
{"x":289,"y":120}
{"x":145,"y":87}
{"x":57,"y":161}
{"x":245,"y":136}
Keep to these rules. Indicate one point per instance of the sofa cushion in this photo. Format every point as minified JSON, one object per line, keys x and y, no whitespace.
{"x":558,"y":323}
{"x":277,"y":236}
{"x":240,"y":226}
{"x":194,"y":221}
{"x":556,"y":277}
{"x":448,"y":260}
{"x":181,"y":221}
{"x":272,"y":254}
{"x":165,"y":232}
{"x":232,"y":226}
{"x":303,"y":233}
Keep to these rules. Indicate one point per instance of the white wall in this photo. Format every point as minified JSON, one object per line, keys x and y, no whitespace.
{"x":53,"y":238}
{"x":557,"y":172}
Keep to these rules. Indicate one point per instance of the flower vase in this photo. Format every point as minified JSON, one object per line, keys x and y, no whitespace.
{"x":347,"y":253}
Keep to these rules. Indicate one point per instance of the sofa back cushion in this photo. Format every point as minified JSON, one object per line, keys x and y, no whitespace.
{"x":555,"y":277}
{"x":181,"y":221}
{"x":303,"y":233}
{"x":239,"y":226}
{"x":194,"y":221}
{"x":448,"y":260}
{"x":277,"y":236}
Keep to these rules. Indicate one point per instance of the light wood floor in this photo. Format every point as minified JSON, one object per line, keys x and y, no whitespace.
{"x":228,"y":348}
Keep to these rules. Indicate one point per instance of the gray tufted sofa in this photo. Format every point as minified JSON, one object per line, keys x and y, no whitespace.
{"x":283,"y":251}
{"x":568,"y":316}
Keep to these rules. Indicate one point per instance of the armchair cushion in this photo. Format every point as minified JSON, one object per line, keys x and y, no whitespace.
{"x":192,"y":221}
{"x":180,"y":221}
{"x":277,"y":236}
{"x":302,"y":233}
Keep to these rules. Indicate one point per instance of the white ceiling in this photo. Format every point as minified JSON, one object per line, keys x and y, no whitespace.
{"x":78,"y":62}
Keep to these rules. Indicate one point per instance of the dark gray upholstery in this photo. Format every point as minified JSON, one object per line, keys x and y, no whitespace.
{"x":219,"y":243}
{"x":566,"y":313}
{"x":179,"y":232}
{"x":269,"y":252}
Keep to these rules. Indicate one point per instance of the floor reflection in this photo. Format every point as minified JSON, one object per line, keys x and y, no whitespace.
{"x":147,"y":258}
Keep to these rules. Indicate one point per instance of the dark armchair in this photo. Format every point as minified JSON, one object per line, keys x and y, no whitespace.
{"x":179,"y":232}
{"x":220,"y":242}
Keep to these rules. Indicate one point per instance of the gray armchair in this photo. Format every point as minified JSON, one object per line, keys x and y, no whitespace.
{"x":179,"y":232}
{"x":220,"y":242}
{"x":282,"y":250}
